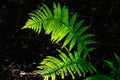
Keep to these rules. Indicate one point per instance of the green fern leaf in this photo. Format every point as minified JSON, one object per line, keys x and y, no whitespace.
{"x":117,"y":59}
{"x":57,"y":24}
{"x":82,"y":69}
{"x":85,"y":36}
{"x":99,"y":77}
{"x":82,"y":30}
{"x":48,"y":27}
{"x":71,"y":73}
{"x":72,"y":21}
{"x":86,"y":51}
{"x":86,"y":42}
{"x":57,"y":11}
{"x":70,"y":54}
{"x":115,"y":72}
{"x":67,"y":40}
{"x":65,"y":15}
{"x":78,"y":25}
{"x":73,"y":42}
{"x":74,"y":36}
{"x":110,"y":64}
{"x":47,"y":11}
{"x":80,"y":46}
{"x":62,"y":33}
{"x":46,"y":77}
{"x":52,"y":66}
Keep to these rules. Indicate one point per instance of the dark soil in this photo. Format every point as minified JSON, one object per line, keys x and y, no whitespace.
{"x":22,"y":50}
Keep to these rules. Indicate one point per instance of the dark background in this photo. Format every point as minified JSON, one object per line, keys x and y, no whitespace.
{"x":25,"y":47}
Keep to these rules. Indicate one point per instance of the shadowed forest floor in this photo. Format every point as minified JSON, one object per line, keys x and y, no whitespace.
{"x":22,"y":50}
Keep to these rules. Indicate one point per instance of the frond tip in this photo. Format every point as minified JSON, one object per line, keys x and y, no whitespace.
{"x":67,"y":64}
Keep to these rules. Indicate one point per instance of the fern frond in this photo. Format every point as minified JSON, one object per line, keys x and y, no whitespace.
{"x":115,"y":70}
{"x":39,"y":18}
{"x":110,"y":64}
{"x":75,"y":34}
{"x":99,"y":77}
{"x":52,"y":66}
{"x":117,"y":59}
{"x":57,"y":24}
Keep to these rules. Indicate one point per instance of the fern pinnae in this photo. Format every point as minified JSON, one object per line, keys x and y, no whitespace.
{"x":73,"y":42}
{"x":57,"y":31}
{"x":76,"y":55}
{"x":80,"y":46}
{"x":72,"y":21}
{"x":64,"y":57}
{"x":90,"y":68}
{"x":69,"y":61}
{"x":53,"y":76}
{"x":81,"y":64}
{"x":85,"y":66}
{"x":93,"y":68}
{"x":62,"y":74}
{"x":63,"y":33}
{"x":71,"y":69}
{"x":117,"y":59}
{"x":99,"y":77}
{"x":68,"y":39}
{"x":70,"y":54}
{"x":86,"y":51}
{"x":32,"y":24}
{"x":87,"y":35}
{"x":82,"y":70}
{"x":82,"y":30}
{"x":65,"y":15}
{"x":87,"y":42}
{"x":47,"y":10}
{"x":77,"y":69}
{"x":110,"y":64}
{"x":78,"y":25}
{"x":71,"y":73}
{"x":41,"y":15}
{"x":57,"y":13}
{"x":43,"y":10}
{"x":37,"y":26}
{"x":55,"y":60}
{"x":74,"y":36}
{"x":54,"y":35}
{"x":48,"y":27}
{"x":46,"y":78}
